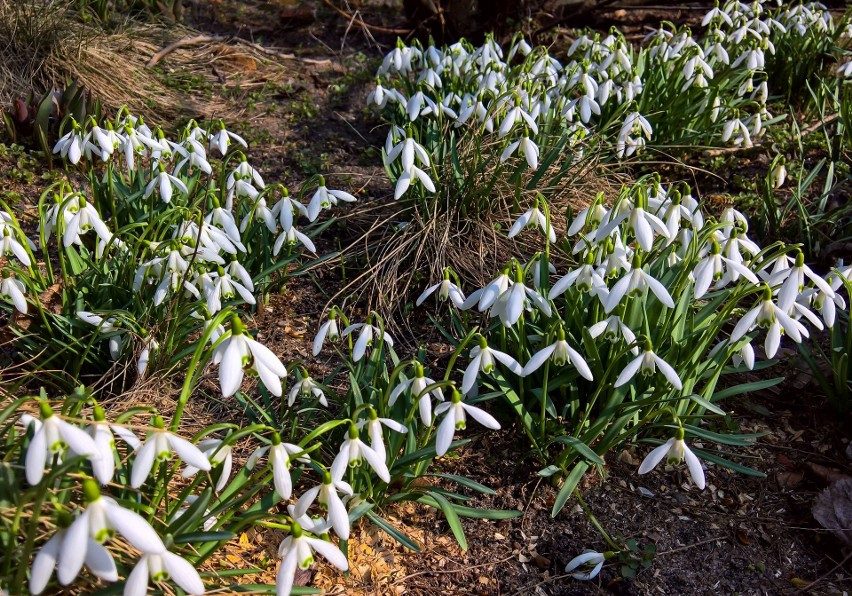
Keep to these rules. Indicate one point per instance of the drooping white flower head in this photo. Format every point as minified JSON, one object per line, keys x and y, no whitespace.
{"x":456,"y":419}
{"x":674,"y":451}
{"x":161,"y":567}
{"x":159,"y":446}
{"x":53,"y":437}
{"x":238,"y":352}
{"x":297,"y":550}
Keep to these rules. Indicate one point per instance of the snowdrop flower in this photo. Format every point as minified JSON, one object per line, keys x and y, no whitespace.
{"x":161,"y":567}
{"x":225,"y":287}
{"x":217,"y":453}
{"x":365,"y":338}
{"x":352,"y":451}
{"x":407,"y":150}
{"x":260,"y":211}
{"x":738,"y":132}
{"x":9,"y":245}
{"x":84,"y":217}
{"x":291,"y":236}
{"x":287,"y":210}
{"x":307,"y":388}
{"x":107,"y":326}
{"x":106,"y":141}
{"x":324,"y":198}
{"x":456,"y":419}
{"x":374,"y":429}
{"x":159,"y":447}
{"x":514,"y":115}
{"x":103,"y":467}
{"x":744,"y":355}
{"x":716,"y":268}
{"x":14,"y":290}
{"x":779,"y":175}
{"x":482,"y":359}
{"x":512,"y":303}
{"x":487,"y":296}
{"x":641,"y":223}
{"x":844,"y":70}
{"x":238,"y":353}
{"x":99,"y":522}
{"x":70,"y":146}
{"x":646,"y":364}
{"x":280,"y":458}
{"x":96,"y":558}
{"x":328,"y":330}
{"x":244,"y":172}
{"x":593,"y":559}
{"x":413,"y":174}
{"x":772,"y":317}
{"x":53,"y":437}
{"x":222,"y":219}
{"x":633,"y":284}
{"x":221,"y":140}
{"x":560,"y":353}
{"x":533,"y":218}
{"x":528,"y":148}
{"x":418,"y":384}
{"x":195,"y":158}
{"x":297,"y":550}
{"x":149,"y":345}
{"x":675,"y":451}
{"x":447,"y":290}
{"x":585,"y":277}
{"x":329,"y":500}
{"x":794,"y":281}
{"x":166,"y":183}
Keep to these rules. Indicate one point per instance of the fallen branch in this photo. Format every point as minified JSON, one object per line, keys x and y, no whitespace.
{"x":199,"y":39}
{"x":357,"y":21}
{"x":731,"y":150}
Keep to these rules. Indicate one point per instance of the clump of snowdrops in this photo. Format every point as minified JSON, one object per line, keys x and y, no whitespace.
{"x":477,"y":131}
{"x":660,"y":301}
{"x":155,"y":267}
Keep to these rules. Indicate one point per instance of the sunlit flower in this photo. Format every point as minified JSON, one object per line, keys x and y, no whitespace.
{"x":330,"y":501}
{"x":418,"y":384}
{"x":456,"y":419}
{"x":52,"y":437}
{"x":307,"y":388}
{"x":238,"y":353}
{"x":14,"y":290}
{"x":533,"y":218}
{"x":447,"y":290}
{"x":217,"y":454}
{"x":374,"y":429}
{"x":323,"y":198}
{"x":482,"y":359}
{"x":633,"y":284}
{"x":297,"y":550}
{"x":159,"y":447}
{"x":767,"y":314}
{"x":674,"y":451}
{"x":280,"y":458}
{"x":96,"y":558}
{"x":365,"y":338}
{"x":352,"y":451}
{"x":646,"y":364}
{"x":328,"y":330}
{"x":560,"y":353}
{"x":161,"y":567}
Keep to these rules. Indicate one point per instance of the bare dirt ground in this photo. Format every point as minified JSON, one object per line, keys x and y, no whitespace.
{"x":741,"y":535}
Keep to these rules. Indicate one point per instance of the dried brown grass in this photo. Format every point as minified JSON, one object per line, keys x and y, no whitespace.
{"x":43,"y":44}
{"x":398,"y":261}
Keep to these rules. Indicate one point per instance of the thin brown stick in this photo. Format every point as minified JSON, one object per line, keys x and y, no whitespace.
{"x":199,"y":39}
{"x":357,"y":21}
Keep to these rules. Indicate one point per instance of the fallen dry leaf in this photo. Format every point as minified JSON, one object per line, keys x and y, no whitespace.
{"x":833,"y":509}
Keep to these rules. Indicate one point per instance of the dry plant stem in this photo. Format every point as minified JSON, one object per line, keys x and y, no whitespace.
{"x":357,"y":21}
{"x":199,"y":39}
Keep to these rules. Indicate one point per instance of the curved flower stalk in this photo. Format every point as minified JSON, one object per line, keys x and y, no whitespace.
{"x":446,"y":289}
{"x":238,"y":352}
{"x":674,"y":451}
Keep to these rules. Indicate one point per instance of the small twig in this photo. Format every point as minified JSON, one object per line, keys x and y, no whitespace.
{"x":825,"y":575}
{"x":357,"y":21}
{"x":756,"y":146}
{"x":199,"y":39}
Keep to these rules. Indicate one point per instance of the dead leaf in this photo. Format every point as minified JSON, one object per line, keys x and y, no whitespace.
{"x":788,"y":480}
{"x":827,"y":475}
{"x":833,"y":509}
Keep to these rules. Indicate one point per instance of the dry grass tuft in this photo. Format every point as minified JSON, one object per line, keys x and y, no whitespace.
{"x":45,"y":44}
{"x":403,"y":246}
